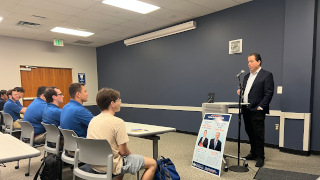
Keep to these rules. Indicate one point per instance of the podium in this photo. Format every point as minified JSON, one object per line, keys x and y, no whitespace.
{"x":222,"y":107}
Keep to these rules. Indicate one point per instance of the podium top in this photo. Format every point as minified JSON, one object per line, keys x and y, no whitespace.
{"x":226,"y":103}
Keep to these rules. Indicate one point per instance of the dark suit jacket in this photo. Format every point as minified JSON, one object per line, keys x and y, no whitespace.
{"x":218,"y":146}
{"x":205,"y":142}
{"x":261,"y":91}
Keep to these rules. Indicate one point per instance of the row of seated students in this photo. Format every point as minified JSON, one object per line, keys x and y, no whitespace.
{"x":74,"y":116}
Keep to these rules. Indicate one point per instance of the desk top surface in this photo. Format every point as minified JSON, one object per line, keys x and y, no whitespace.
{"x":12,"y":149}
{"x":140,"y":130}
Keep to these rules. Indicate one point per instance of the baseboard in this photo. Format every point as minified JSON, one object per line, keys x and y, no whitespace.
{"x":187,"y":132}
{"x":315,"y":152}
{"x":287,"y":150}
{"x":294,"y":151}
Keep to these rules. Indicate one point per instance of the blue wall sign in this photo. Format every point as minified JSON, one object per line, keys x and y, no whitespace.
{"x":82,"y":78}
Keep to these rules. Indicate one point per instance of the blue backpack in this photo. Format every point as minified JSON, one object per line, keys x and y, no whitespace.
{"x":166,"y":170}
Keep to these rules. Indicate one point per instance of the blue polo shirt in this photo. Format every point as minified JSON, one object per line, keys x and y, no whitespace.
{"x":33,"y":114}
{"x":51,"y":114}
{"x":76,"y":117}
{"x":19,"y":104}
{"x":13,"y":109}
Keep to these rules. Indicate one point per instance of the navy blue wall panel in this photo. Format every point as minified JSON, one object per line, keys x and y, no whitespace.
{"x":182,"y":69}
{"x":293,"y":134}
{"x":315,"y":133}
{"x":297,"y":57}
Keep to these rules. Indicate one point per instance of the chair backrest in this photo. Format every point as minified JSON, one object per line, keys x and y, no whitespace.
{"x":27,"y":131}
{"x":8,"y":122}
{"x":94,"y":152}
{"x":69,"y":136}
{"x":53,"y":133}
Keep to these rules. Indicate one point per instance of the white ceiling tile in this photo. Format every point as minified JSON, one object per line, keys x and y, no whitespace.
{"x":190,"y":8}
{"x":40,"y":12}
{"x":51,"y":6}
{"x":99,"y":17}
{"x":242,"y":1}
{"x":110,"y":24}
{"x":161,"y":3}
{"x":114,"y":11}
{"x":80,"y":23}
{"x":170,"y":15}
{"x":215,"y":5}
{"x":82,"y":4}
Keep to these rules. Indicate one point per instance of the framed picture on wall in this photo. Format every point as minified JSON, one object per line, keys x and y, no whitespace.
{"x":235,"y":46}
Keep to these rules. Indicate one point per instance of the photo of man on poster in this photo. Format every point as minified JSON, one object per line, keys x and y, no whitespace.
{"x":215,"y":144}
{"x":203,"y":142}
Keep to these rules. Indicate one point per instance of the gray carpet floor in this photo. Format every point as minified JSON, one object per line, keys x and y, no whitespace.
{"x":179,"y":148}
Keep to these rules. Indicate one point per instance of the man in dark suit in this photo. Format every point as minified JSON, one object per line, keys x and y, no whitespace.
{"x":258,"y":91}
{"x":215,"y":144}
{"x":203,"y":142}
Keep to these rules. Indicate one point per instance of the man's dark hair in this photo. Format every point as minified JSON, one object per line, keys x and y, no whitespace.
{"x":41,"y":90}
{"x":105,"y":96}
{"x":74,"y":88}
{"x":257,"y":57}
{"x":20,"y":89}
{"x":9,"y":92}
{"x":50,"y":91}
{"x":3,"y":92}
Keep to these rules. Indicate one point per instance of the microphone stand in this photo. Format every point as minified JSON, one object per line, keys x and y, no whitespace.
{"x":239,"y":168}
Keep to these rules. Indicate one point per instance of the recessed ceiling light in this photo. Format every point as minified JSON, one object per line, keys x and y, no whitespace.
{"x":1,"y":18}
{"x":71,"y":31}
{"x":132,"y":5}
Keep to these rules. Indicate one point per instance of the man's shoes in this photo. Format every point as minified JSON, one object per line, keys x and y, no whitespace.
{"x":251,"y":157}
{"x":260,"y":162}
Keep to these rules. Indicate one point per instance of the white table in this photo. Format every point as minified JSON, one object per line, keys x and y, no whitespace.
{"x":12,"y":149}
{"x":148,"y":132}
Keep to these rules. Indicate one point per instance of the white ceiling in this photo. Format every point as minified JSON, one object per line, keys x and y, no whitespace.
{"x":110,"y":24}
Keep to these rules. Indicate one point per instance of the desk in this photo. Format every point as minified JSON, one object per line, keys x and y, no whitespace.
{"x":12,"y":149}
{"x":148,"y":132}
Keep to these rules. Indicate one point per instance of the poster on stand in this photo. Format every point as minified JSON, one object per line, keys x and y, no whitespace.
{"x":208,"y":151}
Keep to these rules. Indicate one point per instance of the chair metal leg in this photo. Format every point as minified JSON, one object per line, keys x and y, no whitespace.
{"x":28,"y":173}
{"x":17,"y":166}
{"x":138,"y":175}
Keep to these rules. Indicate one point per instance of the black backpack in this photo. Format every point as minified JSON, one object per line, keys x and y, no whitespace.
{"x":50,"y":169}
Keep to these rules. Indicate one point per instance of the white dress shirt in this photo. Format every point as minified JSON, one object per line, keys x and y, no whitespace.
{"x":250,"y":81}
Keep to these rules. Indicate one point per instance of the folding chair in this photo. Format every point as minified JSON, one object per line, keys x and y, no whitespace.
{"x":8,"y":124}
{"x":27,"y":133}
{"x":70,"y":144}
{"x":94,"y":152}
{"x":52,"y":136}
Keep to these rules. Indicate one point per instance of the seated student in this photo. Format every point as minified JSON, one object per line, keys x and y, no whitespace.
{"x":21,"y":92}
{"x":74,"y":115}
{"x":34,"y":115}
{"x":14,"y":109}
{"x":109,"y":127}
{"x":3,"y":98}
{"x":51,"y":113}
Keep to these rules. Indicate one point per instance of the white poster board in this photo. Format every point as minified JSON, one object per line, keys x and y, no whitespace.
{"x":208,"y":151}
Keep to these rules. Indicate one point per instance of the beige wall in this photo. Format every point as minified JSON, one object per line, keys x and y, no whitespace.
{"x":16,"y":51}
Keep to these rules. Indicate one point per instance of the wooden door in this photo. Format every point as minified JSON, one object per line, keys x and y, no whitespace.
{"x":32,"y":78}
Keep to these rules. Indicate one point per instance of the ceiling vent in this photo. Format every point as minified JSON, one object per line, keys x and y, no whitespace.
{"x":83,"y":42}
{"x":28,"y":24}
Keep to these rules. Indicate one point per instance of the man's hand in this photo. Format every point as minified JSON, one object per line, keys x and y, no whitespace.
{"x":238,"y":91}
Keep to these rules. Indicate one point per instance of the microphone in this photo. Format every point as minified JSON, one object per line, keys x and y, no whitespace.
{"x":242,"y":71}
